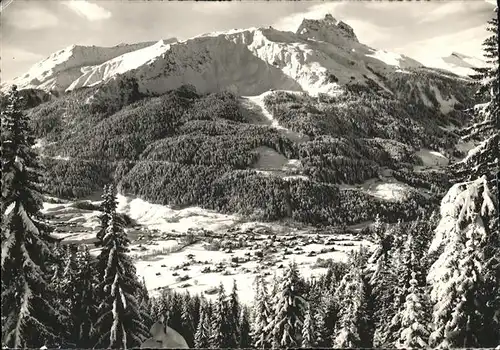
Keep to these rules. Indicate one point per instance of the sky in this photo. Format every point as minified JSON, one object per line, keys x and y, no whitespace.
{"x":33,"y":29}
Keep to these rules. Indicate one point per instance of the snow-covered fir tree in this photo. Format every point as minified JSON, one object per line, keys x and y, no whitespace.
{"x":202,"y":335}
{"x":173,"y":307}
{"x":308,"y":331}
{"x":188,"y":328}
{"x":83,"y":306}
{"x":487,"y":79}
{"x":30,"y":315}
{"x":351,"y":299}
{"x":289,"y":310}
{"x":261,"y":314}
{"x":410,"y":264}
{"x":106,"y":207}
{"x":383,"y":283}
{"x":468,"y":235}
{"x":464,"y":303}
{"x":220,"y":335}
{"x":120,"y":323}
{"x":234,"y":317}
{"x":194,"y":307}
{"x":414,"y":331}
{"x":245,"y":339}
{"x":484,"y":159}
{"x":143,"y":298}
{"x":322,"y":335}
{"x":75,"y":287}
{"x":63,"y":267}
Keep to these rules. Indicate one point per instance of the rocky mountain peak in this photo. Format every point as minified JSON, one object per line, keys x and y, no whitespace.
{"x":327,"y":29}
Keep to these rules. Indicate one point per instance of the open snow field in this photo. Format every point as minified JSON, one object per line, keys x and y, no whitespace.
{"x":431,"y":160}
{"x":193,"y":249}
{"x":386,"y":188}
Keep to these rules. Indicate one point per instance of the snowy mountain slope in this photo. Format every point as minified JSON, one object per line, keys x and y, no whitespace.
{"x":121,"y":64}
{"x":458,"y":63}
{"x":321,"y":56}
{"x":395,"y":59}
{"x":61,"y":68}
{"x":272,"y":59}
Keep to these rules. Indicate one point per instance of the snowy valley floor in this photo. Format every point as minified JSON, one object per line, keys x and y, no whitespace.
{"x":171,"y":251}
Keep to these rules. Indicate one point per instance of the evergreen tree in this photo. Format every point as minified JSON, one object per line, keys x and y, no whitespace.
{"x":383,"y":282}
{"x":194,"y":307}
{"x":234,"y":317}
{"x":143,"y":298}
{"x":414,"y":333}
{"x":465,"y":276}
{"x":30,"y":315}
{"x":107,"y":206}
{"x":487,"y":80}
{"x":157,"y":308}
{"x":75,"y":288}
{"x":308,"y":331}
{"x":322,"y":331}
{"x":83,"y":306}
{"x":484,"y":160}
{"x":201,"y":337}
{"x":61,"y":286}
{"x":209,"y":315}
{"x":173,"y":308}
{"x":465,"y":322}
{"x":245,"y":340}
{"x":120,"y":323}
{"x":289,"y":310}
{"x":410,"y":265}
{"x":261,"y":314}
{"x":188,"y":328}
{"x":350,"y":297}
{"x":464,"y":304}
{"x":220,"y":332}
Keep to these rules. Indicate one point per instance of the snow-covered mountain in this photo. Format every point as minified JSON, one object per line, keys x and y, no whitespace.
{"x":58,"y":71}
{"x":458,"y":63}
{"x":319,"y":57}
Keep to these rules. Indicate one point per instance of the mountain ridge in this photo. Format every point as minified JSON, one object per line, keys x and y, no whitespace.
{"x":319,"y":57}
{"x":458,"y":63}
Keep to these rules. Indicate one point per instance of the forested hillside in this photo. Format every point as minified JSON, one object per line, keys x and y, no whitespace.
{"x":186,"y":149}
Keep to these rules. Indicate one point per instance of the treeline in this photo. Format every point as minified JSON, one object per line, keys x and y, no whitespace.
{"x":342,"y":160}
{"x":435,"y":181}
{"x":261,"y":197}
{"x":449,"y":85}
{"x":362,"y":115}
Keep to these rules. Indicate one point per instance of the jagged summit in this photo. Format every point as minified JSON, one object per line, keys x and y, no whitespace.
{"x":327,"y":29}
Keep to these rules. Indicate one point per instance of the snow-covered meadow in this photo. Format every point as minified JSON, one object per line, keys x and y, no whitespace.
{"x":194,"y":250}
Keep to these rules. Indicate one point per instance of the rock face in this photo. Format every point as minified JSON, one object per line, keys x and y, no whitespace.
{"x":327,"y":29}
